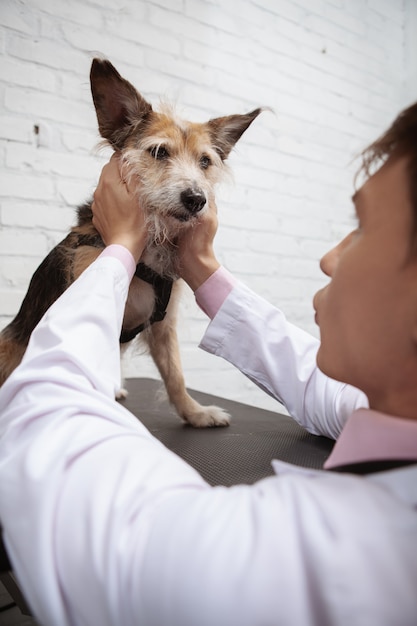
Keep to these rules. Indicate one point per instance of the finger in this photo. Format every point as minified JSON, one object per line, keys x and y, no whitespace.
{"x":95,"y":218}
{"x":114,"y":169}
{"x":120,"y":170}
{"x":125,"y":174}
{"x":110,"y":173}
{"x":93,"y":204}
{"x":110,"y":184}
{"x":96,"y":201}
{"x":212,"y":208}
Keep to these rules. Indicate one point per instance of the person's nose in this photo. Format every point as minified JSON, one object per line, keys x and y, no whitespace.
{"x":330,"y":260}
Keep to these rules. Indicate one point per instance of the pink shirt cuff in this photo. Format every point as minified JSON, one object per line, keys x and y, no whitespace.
{"x":214,"y":291}
{"x":123,"y":255}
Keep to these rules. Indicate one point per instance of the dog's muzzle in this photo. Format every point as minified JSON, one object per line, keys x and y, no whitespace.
{"x":193,"y":200}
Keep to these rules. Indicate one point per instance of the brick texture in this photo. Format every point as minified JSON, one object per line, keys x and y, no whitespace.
{"x":334,"y":72}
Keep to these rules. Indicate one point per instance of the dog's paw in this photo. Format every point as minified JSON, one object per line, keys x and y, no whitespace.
{"x":122,"y":394}
{"x":208,"y":416}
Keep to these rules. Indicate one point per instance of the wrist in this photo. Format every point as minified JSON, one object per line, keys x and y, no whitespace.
{"x":135,"y":245}
{"x":197,"y":271}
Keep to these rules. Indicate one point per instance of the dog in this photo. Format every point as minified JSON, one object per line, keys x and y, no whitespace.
{"x":174,"y":166}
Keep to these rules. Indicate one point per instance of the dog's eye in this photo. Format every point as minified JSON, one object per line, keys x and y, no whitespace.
{"x":205,"y":162}
{"x":159,"y":152}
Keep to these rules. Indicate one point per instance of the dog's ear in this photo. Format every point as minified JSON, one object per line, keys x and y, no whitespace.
{"x":226,"y":131}
{"x":118,"y":104}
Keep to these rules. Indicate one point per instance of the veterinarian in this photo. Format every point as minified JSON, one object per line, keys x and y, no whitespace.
{"x":104,"y":525}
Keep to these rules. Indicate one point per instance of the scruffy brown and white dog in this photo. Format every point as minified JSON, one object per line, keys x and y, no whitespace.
{"x":174,"y":164}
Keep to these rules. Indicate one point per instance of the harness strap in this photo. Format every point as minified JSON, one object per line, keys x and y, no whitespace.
{"x":162,"y":286}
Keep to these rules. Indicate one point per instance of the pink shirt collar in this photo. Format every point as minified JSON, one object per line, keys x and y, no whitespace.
{"x":372,"y":436}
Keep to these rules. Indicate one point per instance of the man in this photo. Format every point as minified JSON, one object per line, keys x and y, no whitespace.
{"x":106,"y":526}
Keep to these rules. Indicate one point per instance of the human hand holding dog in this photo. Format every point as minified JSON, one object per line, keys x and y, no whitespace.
{"x":197,"y":260}
{"x":116,"y":214}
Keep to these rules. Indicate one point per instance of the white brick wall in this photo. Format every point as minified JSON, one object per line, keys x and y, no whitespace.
{"x":335,"y":73}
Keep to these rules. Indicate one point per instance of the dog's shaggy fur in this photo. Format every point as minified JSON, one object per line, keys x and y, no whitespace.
{"x":173,"y":165}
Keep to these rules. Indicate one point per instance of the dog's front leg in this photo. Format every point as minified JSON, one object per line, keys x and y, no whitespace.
{"x":163,"y":344}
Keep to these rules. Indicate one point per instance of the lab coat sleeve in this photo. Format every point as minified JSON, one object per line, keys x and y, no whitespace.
{"x":280,"y":358}
{"x":67,"y":446}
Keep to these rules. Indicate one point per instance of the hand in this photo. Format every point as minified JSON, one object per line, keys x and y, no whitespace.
{"x":116,"y":212}
{"x":197,"y":260}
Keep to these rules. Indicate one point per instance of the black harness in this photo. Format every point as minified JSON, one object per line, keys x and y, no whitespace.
{"x":162,"y":286}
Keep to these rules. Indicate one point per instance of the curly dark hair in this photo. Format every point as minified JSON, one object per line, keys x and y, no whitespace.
{"x":401,"y":139}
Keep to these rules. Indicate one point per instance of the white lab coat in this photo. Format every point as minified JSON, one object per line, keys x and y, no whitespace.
{"x":105,"y":526}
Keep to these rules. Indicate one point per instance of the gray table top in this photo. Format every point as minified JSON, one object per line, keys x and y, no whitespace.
{"x":238,"y":454}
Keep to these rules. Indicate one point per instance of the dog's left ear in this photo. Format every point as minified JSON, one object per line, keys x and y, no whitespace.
{"x":118,"y":104}
{"x":226,"y":131}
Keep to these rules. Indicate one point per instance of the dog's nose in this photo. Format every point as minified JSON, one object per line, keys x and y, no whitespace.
{"x":193,"y":200}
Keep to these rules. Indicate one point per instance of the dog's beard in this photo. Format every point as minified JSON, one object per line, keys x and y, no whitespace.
{"x":164,"y":229}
